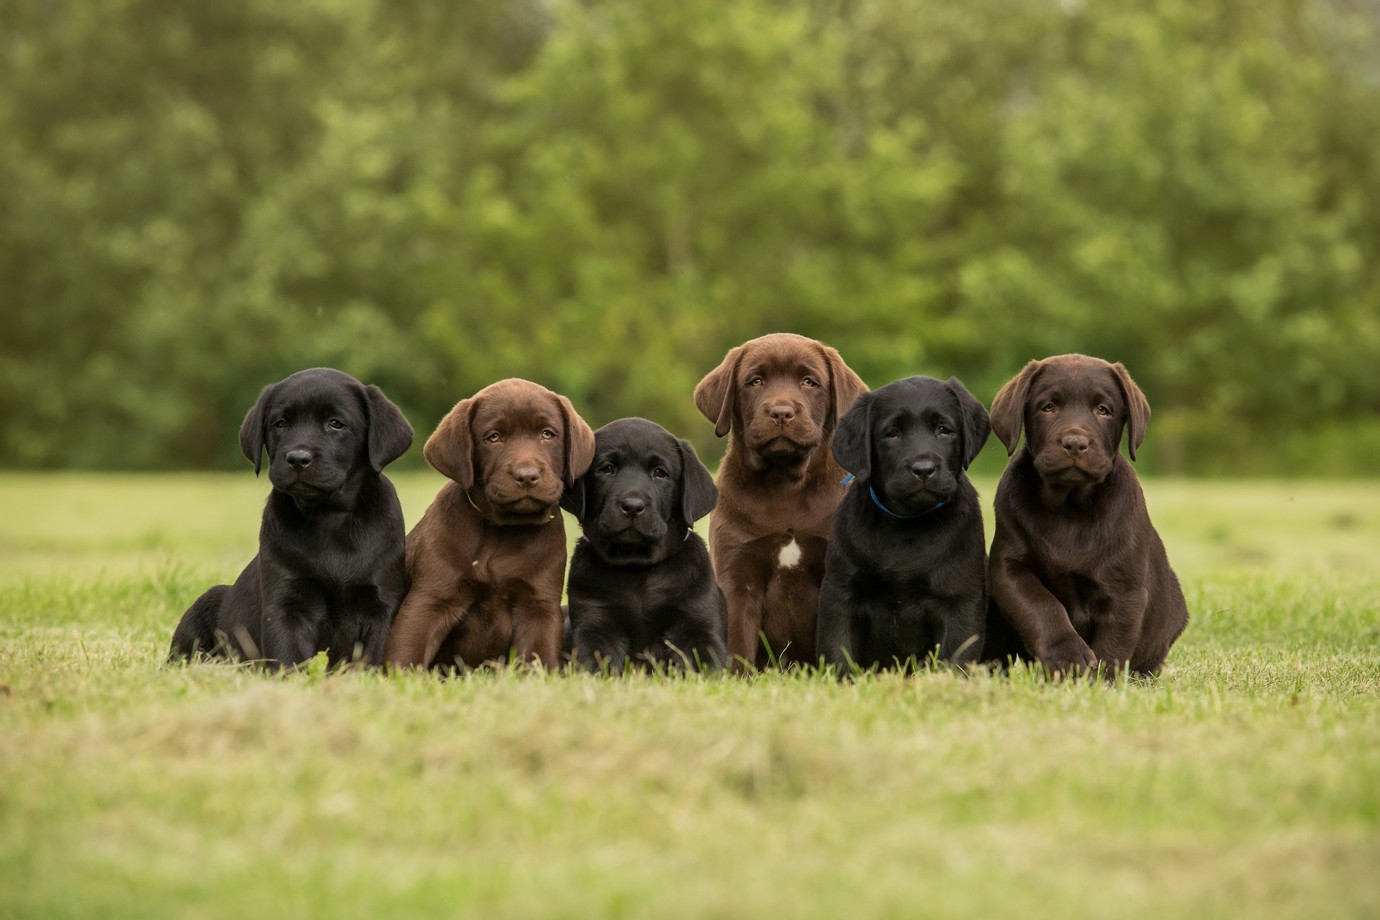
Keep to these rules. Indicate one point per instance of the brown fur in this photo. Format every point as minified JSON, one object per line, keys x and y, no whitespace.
{"x":778,"y":484}
{"x":487,"y":559}
{"x":1077,"y":569}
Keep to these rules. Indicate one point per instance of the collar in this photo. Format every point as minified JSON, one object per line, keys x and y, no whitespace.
{"x":885,"y":510}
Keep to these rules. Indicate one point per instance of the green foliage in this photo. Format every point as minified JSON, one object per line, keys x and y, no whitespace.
{"x":200,"y":199}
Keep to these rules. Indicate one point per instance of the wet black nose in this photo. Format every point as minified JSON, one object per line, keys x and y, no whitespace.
{"x":298,"y":459}
{"x":923,"y":469}
{"x":1074,"y":444}
{"x":632,"y":506}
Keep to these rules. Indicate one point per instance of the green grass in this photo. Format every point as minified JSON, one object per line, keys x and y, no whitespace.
{"x":1244,"y":782}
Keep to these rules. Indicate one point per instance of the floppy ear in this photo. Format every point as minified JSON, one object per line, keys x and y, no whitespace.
{"x":714,"y":395}
{"x":698,"y":494}
{"x":1137,"y":409}
{"x":254,"y":429}
{"x":1008,"y":409}
{"x":976,"y":425}
{"x":450,"y":449}
{"x":389,"y":433}
{"x":573,"y":499}
{"x":852,"y":441}
{"x":579,"y":442}
{"x":844,"y":385}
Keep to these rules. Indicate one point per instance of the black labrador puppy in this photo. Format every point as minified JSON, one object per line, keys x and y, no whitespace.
{"x":329,"y":574}
{"x":641,"y":589}
{"x":905,"y":574}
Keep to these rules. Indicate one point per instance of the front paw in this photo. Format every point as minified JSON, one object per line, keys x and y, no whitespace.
{"x":1067,"y":656}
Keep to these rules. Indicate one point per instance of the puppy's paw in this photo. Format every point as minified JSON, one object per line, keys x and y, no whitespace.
{"x":1067,"y":656}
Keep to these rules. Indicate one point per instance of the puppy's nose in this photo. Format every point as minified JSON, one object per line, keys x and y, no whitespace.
{"x":298,"y":459}
{"x":781,"y":412}
{"x":631,"y":506}
{"x":1074,"y":444}
{"x":526,"y":475}
{"x":923,"y":469}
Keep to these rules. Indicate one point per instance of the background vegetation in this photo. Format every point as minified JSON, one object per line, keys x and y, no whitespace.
{"x":200,"y":198}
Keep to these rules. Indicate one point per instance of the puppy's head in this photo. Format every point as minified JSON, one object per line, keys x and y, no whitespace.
{"x":781,"y":395}
{"x":513,"y":447}
{"x":1074,"y":409}
{"x":911,"y":440}
{"x":643,"y":491}
{"x":322,"y":429}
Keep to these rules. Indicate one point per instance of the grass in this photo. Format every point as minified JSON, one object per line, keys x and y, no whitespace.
{"x":1244,"y":782}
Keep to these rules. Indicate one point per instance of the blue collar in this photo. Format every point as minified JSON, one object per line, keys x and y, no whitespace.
{"x":900,"y":517}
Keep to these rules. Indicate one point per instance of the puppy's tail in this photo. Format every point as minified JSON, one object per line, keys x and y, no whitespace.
{"x":195,"y":636}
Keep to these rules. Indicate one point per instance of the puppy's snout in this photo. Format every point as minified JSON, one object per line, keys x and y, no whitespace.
{"x":1075,"y":445}
{"x":923,"y":469}
{"x":298,"y":459}
{"x":632,"y":506}
{"x":781,"y":412}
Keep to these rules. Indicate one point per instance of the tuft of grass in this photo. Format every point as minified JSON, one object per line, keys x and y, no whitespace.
{"x":1240,"y":782}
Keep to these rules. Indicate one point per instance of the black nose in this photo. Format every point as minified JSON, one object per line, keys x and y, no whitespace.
{"x":298,"y":459}
{"x":924,"y":469}
{"x":782,"y":413}
{"x":631,"y":506}
{"x":1074,"y":444}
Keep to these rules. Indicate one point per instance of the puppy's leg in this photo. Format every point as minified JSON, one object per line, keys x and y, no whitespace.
{"x":745,"y":649}
{"x":1042,"y":622}
{"x":964,"y":632}
{"x":420,"y":626}
{"x":1117,"y":631}
{"x":537,"y":634}
{"x":838,"y":631}
{"x":196,"y":632}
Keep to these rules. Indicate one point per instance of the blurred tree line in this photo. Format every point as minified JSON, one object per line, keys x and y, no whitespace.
{"x":197,"y":199}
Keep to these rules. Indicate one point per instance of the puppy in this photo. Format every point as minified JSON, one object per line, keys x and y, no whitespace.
{"x":487,"y":559}
{"x":329,"y":573}
{"x":781,"y":396}
{"x":905,"y":573}
{"x":641,"y":587}
{"x":1077,"y":568}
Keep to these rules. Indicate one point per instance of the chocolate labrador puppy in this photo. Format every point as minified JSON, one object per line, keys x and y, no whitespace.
{"x":487,"y":559}
{"x":641,"y":588}
{"x":1077,"y":569}
{"x":329,"y":572}
{"x":781,"y":396}
{"x":906,"y":572}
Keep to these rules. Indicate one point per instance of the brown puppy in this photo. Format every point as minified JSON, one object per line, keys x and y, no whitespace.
{"x":781,"y":395}
{"x":487,"y":560}
{"x":1076,"y":566}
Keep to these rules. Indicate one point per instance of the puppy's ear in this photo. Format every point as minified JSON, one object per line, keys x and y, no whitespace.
{"x":844,"y":385}
{"x":254,"y":429}
{"x":698,"y":494}
{"x":579,"y":442}
{"x":976,"y":425}
{"x":450,"y":449}
{"x":852,"y":441}
{"x":390,"y":435}
{"x":573,"y":498}
{"x":715,"y":394}
{"x":1137,"y":409}
{"x":1008,"y":409}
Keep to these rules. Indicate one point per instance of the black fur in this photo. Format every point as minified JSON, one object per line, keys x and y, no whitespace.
{"x":641,"y":589}
{"x":329,"y":573}
{"x":905,"y":573}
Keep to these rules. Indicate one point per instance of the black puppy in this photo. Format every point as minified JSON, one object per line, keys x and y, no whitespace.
{"x":641,"y":588}
{"x":905,"y":574}
{"x":329,"y":574}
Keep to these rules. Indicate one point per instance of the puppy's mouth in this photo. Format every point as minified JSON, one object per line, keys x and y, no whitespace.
{"x":305,"y":487}
{"x":1059,"y":469}
{"x":908,"y":498}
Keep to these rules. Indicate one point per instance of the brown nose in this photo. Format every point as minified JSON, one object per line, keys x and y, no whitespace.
{"x":526,"y":475}
{"x":781,"y":412}
{"x":1074,"y":444}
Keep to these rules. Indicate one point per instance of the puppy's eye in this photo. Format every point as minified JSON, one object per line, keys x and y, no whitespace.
{"x":547,"y":434}
{"x":755,"y":382}
{"x":1104,"y":411}
{"x":944,"y":430}
{"x":280,"y":424}
{"x":605,"y":469}
{"x":491,"y":437}
{"x":659,"y":473}
{"x":1047,"y":407}
{"x":809,"y":382}
{"x":335,"y":424}
{"x":892,"y":433}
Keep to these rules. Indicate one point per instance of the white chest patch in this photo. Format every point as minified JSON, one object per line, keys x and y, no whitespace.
{"x":790,"y":555}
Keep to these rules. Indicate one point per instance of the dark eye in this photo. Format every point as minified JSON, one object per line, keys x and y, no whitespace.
{"x":335,"y":424}
{"x":944,"y":430}
{"x":280,"y":424}
{"x":548,"y":433}
{"x":1047,"y":407}
{"x":755,"y":382}
{"x":892,"y":433}
{"x":605,"y":469}
{"x":659,"y":473}
{"x":809,"y":382}
{"x":491,"y":437}
{"x":1105,"y":411}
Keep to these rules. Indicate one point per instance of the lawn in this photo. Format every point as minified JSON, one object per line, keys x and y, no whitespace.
{"x":1244,"y":782}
